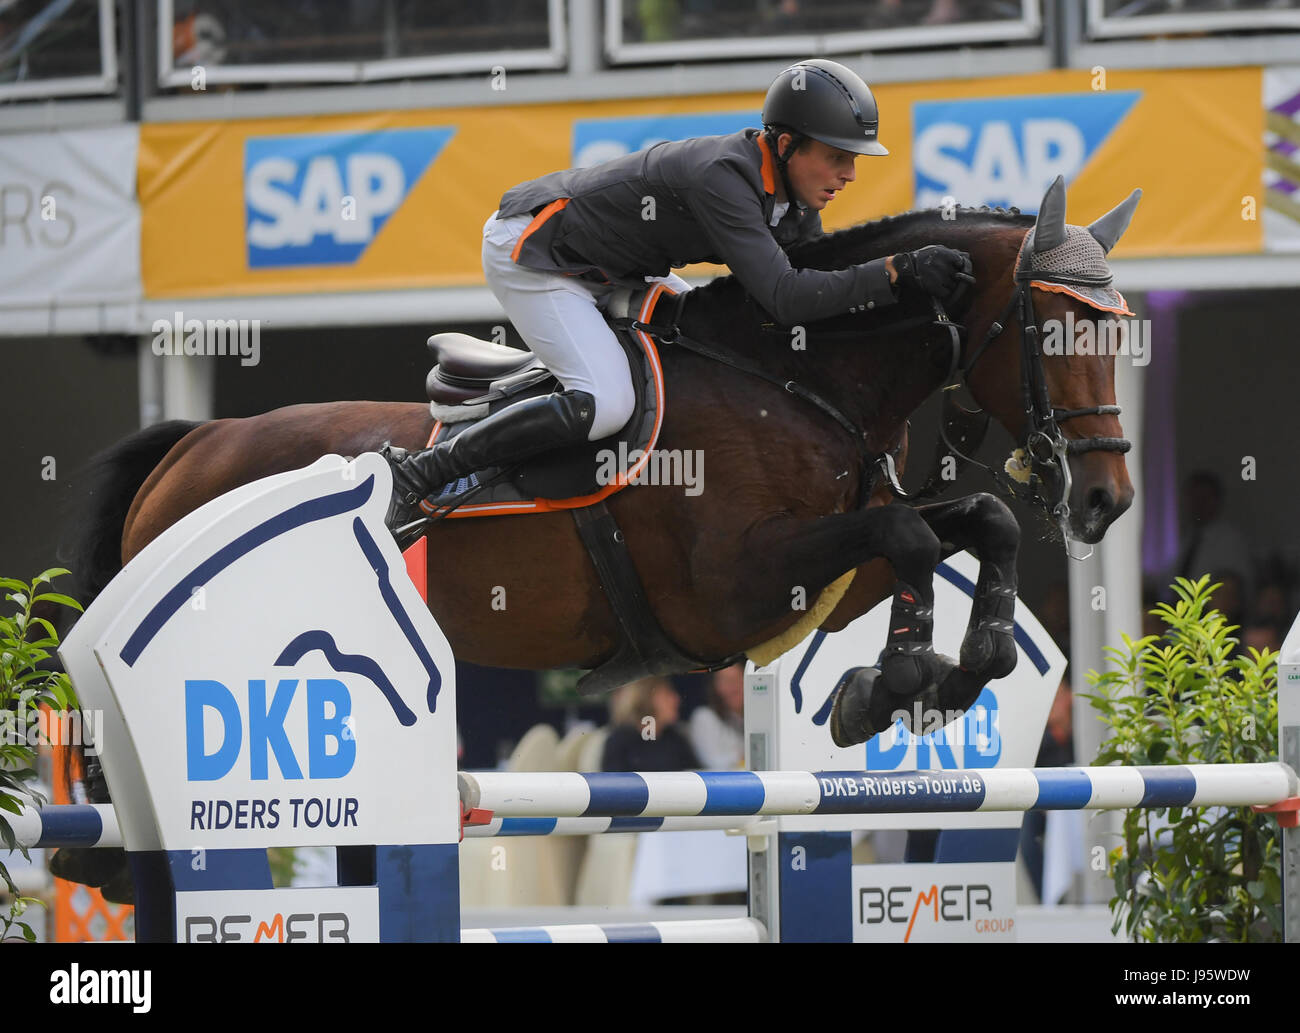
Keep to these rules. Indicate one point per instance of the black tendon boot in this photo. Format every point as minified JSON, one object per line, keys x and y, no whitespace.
{"x":516,"y":432}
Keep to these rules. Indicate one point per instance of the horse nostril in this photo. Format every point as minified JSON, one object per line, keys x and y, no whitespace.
{"x":1100,"y":500}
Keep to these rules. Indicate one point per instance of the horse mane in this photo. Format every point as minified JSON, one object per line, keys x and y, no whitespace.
{"x":894,"y":233}
{"x":887,"y":236}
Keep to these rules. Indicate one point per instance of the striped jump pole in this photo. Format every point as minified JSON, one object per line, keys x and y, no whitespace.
{"x":70,"y":825}
{"x":507,"y":827}
{"x":95,"y":825}
{"x":779,"y":793}
{"x":573,"y":804}
{"x":719,"y":930}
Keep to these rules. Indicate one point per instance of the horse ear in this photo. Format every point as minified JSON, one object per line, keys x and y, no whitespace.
{"x":1107,"y":230}
{"x":1049,"y":230}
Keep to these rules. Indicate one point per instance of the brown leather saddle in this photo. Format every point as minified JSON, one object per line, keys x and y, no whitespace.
{"x":472,"y":378}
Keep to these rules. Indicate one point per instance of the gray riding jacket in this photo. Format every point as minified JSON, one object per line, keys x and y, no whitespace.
{"x":707,"y":199}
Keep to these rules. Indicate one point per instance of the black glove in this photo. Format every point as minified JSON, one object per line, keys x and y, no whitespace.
{"x":938,"y":271}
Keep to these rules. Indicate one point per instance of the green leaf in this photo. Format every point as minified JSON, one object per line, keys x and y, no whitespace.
{"x":56,"y":597}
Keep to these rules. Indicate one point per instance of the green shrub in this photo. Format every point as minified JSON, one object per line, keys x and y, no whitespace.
{"x":25,"y":642}
{"x":1192,"y":873}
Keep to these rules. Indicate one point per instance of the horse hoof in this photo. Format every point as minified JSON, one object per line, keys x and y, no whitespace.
{"x":908,"y":674}
{"x":89,"y":867}
{"x":858,"y":713}
{"x":120,"y":889}
{"x":992,"y":654}
{"x":960,"y":689}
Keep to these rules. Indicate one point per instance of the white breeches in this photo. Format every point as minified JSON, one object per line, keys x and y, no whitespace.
{"x":560,"y":319}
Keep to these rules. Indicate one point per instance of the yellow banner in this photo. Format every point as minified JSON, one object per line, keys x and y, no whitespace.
{"x":398,"y":199}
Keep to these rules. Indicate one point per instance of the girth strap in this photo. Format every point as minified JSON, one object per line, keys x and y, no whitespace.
{"x":646,"y":648}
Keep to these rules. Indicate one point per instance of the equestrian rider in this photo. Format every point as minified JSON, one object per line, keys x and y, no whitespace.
{"x":560,"y":245}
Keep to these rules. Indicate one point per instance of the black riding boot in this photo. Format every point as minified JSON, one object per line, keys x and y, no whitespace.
{"x":516,"y":432}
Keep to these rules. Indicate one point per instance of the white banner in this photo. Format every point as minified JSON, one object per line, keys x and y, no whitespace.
{"x":69,"y":218}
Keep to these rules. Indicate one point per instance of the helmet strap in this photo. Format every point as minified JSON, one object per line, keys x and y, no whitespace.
{"x":782,"y":162}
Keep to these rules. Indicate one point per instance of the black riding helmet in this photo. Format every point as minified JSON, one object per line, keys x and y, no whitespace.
{"x":826,"y":101}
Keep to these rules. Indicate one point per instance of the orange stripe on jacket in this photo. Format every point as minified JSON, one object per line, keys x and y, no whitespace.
{"x":540,"y":218}
{"x":769,"y":165}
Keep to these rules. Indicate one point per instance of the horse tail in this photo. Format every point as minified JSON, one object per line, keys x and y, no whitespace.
{"x":109,"y":484}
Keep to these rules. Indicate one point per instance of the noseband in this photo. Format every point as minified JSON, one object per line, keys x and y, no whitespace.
{"x":1042,"y":445}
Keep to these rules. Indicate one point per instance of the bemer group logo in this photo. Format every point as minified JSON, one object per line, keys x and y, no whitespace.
{"x":322,"y":198}
{"x":1007,"y":150}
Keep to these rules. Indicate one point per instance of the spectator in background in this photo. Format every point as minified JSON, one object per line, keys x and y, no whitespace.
{"x":1271,"y":606}
{"x":659,"y":20}
{"x":1055,"y":750}
{"x":1262,"y":636}
{"x":1053,"y":614}
{"x":1151,"y":622}
{"x":647,"y":735}
{"x":1269,"y":621}
{"x":718,"y":728}
{"x":941,"y":12}
{"x":1210,"y":544}
{"x":1229,"y":598}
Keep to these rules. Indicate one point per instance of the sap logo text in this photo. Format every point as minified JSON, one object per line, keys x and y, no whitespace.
{"x":331,"y":745}
{"x":1007,"y":150}
{"x":326,"y":927}
{"x":322,"y":198}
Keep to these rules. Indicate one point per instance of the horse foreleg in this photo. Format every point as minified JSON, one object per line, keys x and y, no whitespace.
{"x":868,"y":699}
{"x":985,"y":526}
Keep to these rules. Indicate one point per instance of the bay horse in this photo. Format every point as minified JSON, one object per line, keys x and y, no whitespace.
{"x":779,"y":517}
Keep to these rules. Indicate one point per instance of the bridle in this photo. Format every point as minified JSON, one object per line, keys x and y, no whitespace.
{"x":1043,"y":448}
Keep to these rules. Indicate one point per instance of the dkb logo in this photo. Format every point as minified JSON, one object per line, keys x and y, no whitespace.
{"x":331,"y":747}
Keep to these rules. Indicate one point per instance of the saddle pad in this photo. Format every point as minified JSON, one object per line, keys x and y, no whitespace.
{"x":567,"y":478}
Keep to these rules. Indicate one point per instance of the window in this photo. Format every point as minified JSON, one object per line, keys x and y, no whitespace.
{"x":57,"y":47}
{"x":1162,"y":17}
{"x":253,"y":41}
{"x":659,"y":30}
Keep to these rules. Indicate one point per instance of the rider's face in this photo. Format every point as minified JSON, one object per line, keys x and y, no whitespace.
{"x":818,"y":172}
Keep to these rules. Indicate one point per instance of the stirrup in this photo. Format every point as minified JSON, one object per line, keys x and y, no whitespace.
{"x":408,"y":534}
